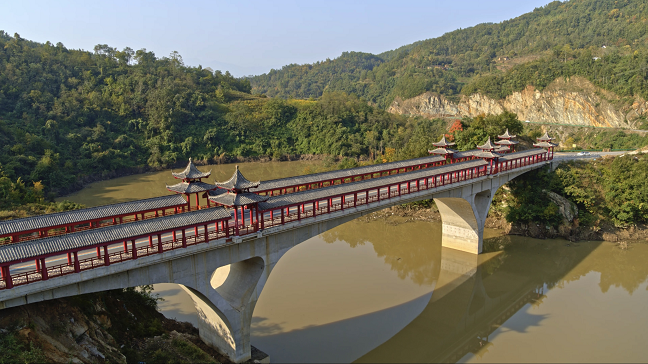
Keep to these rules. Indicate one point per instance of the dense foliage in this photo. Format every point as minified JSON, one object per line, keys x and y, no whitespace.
{"x":566,"y":35}
{"x":66,"y":114}
{"x":476,"y":131}
{"x":613,"y":189}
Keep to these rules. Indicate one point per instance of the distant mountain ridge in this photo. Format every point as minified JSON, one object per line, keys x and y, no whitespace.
{"x":491,"y":59}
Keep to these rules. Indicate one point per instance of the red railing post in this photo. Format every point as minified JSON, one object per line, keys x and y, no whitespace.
{"x":106,"y":256}
{"x":184,"y":238}
{"x":44,"y":274}
{"x":282,"y":216}
{"x":134,"y":249}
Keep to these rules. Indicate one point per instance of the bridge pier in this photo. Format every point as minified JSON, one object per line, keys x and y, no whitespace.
{"x":463,"y":220}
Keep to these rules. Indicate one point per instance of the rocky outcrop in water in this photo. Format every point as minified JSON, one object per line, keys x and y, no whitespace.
{"x":574,"y":101}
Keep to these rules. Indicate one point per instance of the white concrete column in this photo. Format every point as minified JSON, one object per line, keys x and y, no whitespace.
{"x":463,"y":220}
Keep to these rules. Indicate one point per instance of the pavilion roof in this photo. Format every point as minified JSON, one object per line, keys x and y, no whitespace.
{"x":506,"y":142}
{"x":237,"y":199}
{"x":191,"y":172}
{"x":545,"y":145}
{"x":237,"y":182}
{"x":88,"y":238}
{"x":545,"y":138}
{"x":93,"y":213}
{"x":502,"y":148}
{"x":486,"y":146}
{"x":443,"y":143}
{"x":506,"y":135}
{"x":441,"y":151}
{"x":190,"y":187}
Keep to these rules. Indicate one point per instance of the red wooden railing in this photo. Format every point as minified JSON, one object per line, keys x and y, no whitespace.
{"x":224,"y":229}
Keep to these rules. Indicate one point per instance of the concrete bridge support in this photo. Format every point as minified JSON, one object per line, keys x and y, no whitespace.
{"x":463,"y":220}
{"x":464,"y":211}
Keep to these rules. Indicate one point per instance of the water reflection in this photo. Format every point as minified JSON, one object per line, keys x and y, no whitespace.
{"x":409,"y":249}
{"x":497,"y":300}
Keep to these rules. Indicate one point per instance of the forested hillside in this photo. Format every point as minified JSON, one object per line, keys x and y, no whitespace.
{"x":559,"y":39}
{"x":67,"y":114}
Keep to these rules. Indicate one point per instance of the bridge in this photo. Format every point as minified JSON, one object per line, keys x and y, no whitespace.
{"x":222,"y":253}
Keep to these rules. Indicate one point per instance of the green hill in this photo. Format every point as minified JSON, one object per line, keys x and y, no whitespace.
{"x":72,"y":116}
{"x":559,"y":39}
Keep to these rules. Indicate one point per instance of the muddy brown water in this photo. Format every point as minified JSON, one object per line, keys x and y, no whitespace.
{"x":386,"y":291}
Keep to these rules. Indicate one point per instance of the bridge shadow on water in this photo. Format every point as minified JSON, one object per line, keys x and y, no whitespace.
{"x":474,"y":295}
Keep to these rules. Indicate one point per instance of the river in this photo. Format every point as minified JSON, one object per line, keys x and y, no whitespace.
{"x":385,"y":290}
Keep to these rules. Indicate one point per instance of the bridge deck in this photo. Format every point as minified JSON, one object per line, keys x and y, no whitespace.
{"x":68,"y":220}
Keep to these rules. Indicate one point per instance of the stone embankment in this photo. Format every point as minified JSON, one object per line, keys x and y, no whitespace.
{"x":574,"y":101}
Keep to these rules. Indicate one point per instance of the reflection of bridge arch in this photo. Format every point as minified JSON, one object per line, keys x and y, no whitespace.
{"x":461,"y":313}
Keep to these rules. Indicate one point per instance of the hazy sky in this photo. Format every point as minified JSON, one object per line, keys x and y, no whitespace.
{"x":250,"y":37}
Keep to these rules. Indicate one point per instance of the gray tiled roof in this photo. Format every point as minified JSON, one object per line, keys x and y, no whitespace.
{"x":190,"y":187}
{"x":506,"y":135}
{"x":486,"y":146}
{"x":344,"y":173}
{"x":191,"y":172}
{"x":322,"y":193}
{"x":487,"y":154}
{"x":466,"y":153}
{"x":78,"y":216}
{"x":545,"y":138}
{"x":443,"y":143}
{"x":237,"y":182}
{"x":524,"y":153}
{"x":442,"y":151}
{"x":88,"y":238}
{"x":545,"y":144}
{"x":506,"y":142}
{"x":238,"y":199}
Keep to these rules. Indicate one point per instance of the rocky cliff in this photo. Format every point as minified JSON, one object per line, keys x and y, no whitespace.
{"x":574,"y":101}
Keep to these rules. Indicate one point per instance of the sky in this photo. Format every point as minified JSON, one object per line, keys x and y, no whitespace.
{"x":250,"y":37}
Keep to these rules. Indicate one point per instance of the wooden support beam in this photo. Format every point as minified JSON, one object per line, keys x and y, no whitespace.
{"x":106,"y":256}
{"x":43,"y":270}
{"x":77,"y":265}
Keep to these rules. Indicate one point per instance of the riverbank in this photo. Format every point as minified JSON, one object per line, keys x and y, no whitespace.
{"x":571,"y":232}
{"x":120,"y":326}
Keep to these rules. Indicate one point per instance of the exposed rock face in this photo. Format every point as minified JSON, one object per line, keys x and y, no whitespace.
{"x":63,"y":332}
{"x":567,"y":209}
{"x":575,"y":101}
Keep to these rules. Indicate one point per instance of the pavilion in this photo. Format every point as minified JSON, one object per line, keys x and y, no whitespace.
{"x":191,"y":184}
